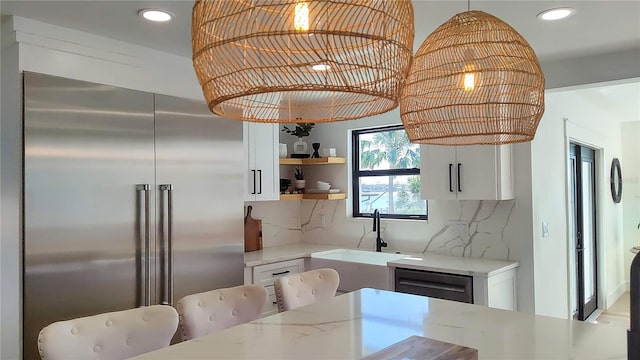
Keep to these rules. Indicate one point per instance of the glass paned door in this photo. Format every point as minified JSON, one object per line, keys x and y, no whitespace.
{"x":584,"y":229}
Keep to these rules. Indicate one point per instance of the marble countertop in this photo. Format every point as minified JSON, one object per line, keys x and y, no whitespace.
{"x":453,"y":264}
{"x":366,"y":321}
{"x":425,"y":261}
{"x":273,"y":254}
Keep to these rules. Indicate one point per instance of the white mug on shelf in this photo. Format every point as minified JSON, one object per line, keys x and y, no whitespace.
{"x":283,"y":150}
{"x":328,"y":152}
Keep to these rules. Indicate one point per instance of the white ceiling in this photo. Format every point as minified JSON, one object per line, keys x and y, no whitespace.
{"x":596,"y":27}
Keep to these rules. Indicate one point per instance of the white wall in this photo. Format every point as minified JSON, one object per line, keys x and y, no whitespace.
{"x":591,"y":70}
{"x":630,"y":164}
{"x":549,"y":204}
{"x":585,"y":116}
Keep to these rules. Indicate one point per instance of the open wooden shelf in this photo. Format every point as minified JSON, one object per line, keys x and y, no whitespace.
{"x":334,"y":196}
{"x":291,"y":196}
{"x":313,"y":161}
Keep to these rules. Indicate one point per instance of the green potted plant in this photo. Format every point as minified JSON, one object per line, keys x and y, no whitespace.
{"x":300,"y":130}
{"x":299,"y":183}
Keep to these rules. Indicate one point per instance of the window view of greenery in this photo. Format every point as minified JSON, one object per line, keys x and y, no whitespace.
{"x":388,"y":174}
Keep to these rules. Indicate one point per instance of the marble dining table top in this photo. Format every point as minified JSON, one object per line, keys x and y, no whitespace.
{"x":363,"y":322}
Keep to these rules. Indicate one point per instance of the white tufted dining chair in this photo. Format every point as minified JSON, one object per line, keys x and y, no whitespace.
{"x":302,"y":289}
{"x":114,"y":335}
{"x":206,"y":312}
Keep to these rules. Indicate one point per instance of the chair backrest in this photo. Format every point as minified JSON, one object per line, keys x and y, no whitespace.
{"x":114,"y":335}
{"x":206,"y":312}
{"x":302,"y":289}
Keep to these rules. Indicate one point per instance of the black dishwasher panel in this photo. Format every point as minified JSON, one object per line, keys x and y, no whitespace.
{"x":436,"y":285}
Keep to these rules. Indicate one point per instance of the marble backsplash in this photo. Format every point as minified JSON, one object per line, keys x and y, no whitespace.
{"x":280,"y":221}
{"x":481,"y":229}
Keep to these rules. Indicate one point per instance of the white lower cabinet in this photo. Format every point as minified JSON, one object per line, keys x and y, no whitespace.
{"x":496,"y":291}
{"x":266,"y":274}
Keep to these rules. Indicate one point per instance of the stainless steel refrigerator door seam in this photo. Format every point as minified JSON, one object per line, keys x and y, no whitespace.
{"x":168,"y":253}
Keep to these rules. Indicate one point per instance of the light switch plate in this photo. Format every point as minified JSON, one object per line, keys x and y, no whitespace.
{"x":545,"y":229}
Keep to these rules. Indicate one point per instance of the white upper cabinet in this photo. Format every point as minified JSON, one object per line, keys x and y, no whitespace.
{"x":262,"y":175}
{"x":475,"y":172}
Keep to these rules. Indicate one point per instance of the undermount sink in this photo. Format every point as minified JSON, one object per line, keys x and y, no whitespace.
{"x":357,"y":268}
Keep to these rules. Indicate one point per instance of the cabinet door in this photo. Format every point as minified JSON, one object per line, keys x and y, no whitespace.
{"x":484,"y":172}
{"x":262,"y":180}
{"x":437,"y":172}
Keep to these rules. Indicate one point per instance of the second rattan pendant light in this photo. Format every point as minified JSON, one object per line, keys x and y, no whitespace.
{"x":281,"y":61}
{"x":474,"y":80}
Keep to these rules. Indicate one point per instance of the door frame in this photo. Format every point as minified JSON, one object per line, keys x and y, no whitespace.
{"x":574,"y":133}
{"x":583,"y":153}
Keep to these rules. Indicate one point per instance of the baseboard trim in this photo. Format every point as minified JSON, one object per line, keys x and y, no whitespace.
{"x":613,"y":296}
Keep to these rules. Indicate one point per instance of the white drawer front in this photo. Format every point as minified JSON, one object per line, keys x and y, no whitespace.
{"x":265,"y":274}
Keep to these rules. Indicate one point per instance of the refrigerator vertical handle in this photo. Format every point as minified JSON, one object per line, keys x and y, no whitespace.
{"x":260,"y":173}
{"x":168,"y":250}
{"x":145,"y":299}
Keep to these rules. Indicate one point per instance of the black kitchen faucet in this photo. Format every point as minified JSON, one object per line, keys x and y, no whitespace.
{"x":376,"y":227}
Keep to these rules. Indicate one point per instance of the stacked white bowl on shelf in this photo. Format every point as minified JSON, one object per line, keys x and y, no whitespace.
{"x":322,"y":185}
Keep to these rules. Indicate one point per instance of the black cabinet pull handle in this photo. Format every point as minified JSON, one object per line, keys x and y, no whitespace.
{"x":254,"y":182}
{"x":459,"y":185}
{"x":275,"y":303}
{"x":281,"y":273}
{"x":450,"y":186}
{"x":260,"y":173}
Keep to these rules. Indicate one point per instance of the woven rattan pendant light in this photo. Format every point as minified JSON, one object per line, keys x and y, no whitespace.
{"x":474,"y":80}
{"x":302,"y":61}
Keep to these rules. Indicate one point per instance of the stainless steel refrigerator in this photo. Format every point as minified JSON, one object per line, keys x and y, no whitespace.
{"x":130,"y":199}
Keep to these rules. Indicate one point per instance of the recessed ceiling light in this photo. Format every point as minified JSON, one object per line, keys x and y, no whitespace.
{"x":156,"y":15}
{"x":556,"y":14}
{"x":321,"y":67}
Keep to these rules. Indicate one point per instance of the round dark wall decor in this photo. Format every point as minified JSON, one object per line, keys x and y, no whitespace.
{"x":616,"y":180}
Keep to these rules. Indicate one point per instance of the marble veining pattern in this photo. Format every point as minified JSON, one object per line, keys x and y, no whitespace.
{"x":489,"y":234}
{"x":360,"y":323}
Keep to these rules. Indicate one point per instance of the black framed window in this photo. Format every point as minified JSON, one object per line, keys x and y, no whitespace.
{"x":386,"y":174}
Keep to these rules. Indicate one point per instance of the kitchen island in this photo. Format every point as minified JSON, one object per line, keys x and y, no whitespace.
{"x":366,"y":321}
